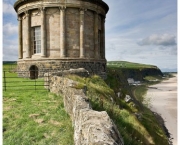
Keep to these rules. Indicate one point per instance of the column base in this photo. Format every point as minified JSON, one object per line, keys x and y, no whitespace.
{"x":82,"y":56}
{"x":63,"y":56}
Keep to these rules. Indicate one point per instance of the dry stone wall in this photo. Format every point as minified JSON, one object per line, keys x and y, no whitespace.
{"x":90,"y":127}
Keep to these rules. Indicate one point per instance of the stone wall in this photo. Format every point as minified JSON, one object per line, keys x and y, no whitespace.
{"x":93,"y":67}
{"x":90,"y":127}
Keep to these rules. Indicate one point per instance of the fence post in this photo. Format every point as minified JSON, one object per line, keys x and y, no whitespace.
{"x":48,"y":82}
{"x":4,"y":81}
{"x":35,"y":79}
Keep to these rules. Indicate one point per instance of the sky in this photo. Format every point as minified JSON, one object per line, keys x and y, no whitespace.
{"x":142,"y":31}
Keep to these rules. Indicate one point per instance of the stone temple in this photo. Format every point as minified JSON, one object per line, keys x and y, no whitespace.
{"x":57,"y":35}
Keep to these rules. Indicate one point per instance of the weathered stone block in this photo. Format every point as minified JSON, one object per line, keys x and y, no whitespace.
{"x":90,"y":127}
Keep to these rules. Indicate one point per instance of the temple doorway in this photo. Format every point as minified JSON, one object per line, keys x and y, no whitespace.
{"x":33,"y":72}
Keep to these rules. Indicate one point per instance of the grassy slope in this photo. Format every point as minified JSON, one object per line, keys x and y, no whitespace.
{"x":34,"y":117}
{"x":134,"y":131}
{"x":117,"y":80}
{"x":43,"y":115}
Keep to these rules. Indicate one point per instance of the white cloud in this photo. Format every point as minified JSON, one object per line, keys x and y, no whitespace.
{"x":127,"y":22}
{"x":10,"y":29}
{"x":164,"y":40}
{"x":8,"y":9}
{"x":10,"y":51}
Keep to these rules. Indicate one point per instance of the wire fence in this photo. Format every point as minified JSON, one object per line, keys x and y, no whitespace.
{"x":11,"y":81}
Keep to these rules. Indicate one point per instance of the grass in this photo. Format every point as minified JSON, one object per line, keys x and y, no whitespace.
{"x":149,"y":120}
{"x":9,"y":67}
{"x":38,"y":117}
{"x":101,"y":96}
{"x":117,"y":81}
{"x":34,"y":117}
{"x":145,"y":130}
{"x":139,"y":92}
{"x":125,"y":64}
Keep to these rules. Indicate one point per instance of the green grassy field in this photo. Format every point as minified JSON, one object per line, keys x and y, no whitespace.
{"x":9,"y":67}
{"x":38,"y":117}
{"x":34,"y":117}
{"x":125,"y":64}
{"x":134,"y":132}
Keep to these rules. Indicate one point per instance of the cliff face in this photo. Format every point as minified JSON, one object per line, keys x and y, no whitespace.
{"x":133,"y":70}
{"x":139,"y":74}
{"x":117,"y":77}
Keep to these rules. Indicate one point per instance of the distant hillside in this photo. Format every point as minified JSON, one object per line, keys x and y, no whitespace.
{"x":126,"y":64}
{"x":9,"y":62}
{"x":134,"y":70}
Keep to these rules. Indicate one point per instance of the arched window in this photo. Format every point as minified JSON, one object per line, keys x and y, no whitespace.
{"x":33,"y":72}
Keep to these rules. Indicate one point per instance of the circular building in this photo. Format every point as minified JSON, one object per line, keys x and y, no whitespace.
{"x":57,"y":35}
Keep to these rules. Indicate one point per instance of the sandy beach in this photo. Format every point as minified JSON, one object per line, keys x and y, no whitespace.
{"x":163,"y":98}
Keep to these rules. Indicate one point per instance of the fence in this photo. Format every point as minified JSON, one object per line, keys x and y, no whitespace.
{"x":32,"y":79}
{"x":10,"y":67}
{"x":11,"y":81}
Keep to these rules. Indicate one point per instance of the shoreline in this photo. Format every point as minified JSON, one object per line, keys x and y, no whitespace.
{"x":163,"y":100}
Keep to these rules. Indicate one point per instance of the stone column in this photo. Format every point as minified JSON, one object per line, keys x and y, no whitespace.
{"x":43,"y":33}
{"x":20,"y":38}
{"x":28,"y":34}
{"x":62,"y":33}
{"x":96,"y":49}
{"x":103,"y":37}
{"x":82,"y":51}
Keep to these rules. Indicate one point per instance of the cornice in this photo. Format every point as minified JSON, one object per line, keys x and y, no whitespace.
{"x":101,"y":3}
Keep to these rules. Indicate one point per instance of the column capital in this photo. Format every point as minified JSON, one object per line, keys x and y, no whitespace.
{"x":62,"y":8}
{"x":82,"y":10}
{"x":96,"y":12}
{"x":26,"y":13}
{"x":19,"y":18}
{"x":42,"y":8}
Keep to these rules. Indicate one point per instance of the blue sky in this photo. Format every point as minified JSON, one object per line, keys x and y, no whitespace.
{"x":143,"y":31}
